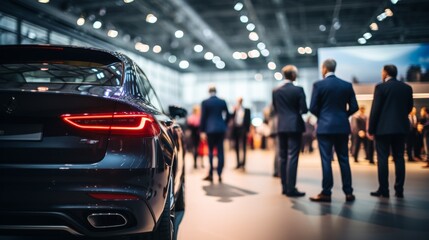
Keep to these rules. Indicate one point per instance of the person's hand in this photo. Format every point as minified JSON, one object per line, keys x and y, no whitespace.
{"x":203,"y":136}
{"x":361,"y":134}
{"x":370,"y":137}
{"x":420,"y":128}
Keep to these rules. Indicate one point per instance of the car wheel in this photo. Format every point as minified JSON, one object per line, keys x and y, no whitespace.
{"x":165,"y":228}
{"x":180,"y":203}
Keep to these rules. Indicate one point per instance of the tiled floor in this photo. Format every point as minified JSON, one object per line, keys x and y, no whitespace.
{"x":248,"y":205}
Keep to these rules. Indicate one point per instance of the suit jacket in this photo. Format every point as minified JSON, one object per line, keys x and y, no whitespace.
{"x":289,"y":104}
{"x":246,"y":119}
{"x":393,"y":101}
{"x":333,"y":101}
{"x":214,"y":115}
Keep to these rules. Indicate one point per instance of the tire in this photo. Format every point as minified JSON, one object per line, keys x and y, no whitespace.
{"x":180,"y":202}
{"x":165,"y":228}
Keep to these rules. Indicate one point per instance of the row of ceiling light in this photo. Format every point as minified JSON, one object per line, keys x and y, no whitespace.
{"x":374,"y":26}
{"x":261,"y":47}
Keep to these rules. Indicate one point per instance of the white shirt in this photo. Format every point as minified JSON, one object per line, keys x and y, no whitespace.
{"x":239,"y":116}
{"x":329,"y":74}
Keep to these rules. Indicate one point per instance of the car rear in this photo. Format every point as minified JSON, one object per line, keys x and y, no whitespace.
{"x":74,"y":155}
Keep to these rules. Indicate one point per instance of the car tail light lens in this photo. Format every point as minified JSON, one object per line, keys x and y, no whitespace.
{"x":113,"y":196}
{"x":141,"y":124}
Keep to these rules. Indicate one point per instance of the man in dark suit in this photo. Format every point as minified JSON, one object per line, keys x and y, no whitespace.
{"x":289,"y":104}
{"x":333,"y":101}
{"x":393,"y":101}
{"x":240,"y":128}
{"x":213,"y":125}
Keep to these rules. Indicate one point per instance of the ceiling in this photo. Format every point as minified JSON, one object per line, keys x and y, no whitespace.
{"x":282,"y":25}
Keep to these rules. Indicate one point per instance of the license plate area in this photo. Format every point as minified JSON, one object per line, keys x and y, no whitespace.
{"x":21,"y":132}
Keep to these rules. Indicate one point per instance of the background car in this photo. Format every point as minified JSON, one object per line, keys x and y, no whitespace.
{"x":85,"y":146}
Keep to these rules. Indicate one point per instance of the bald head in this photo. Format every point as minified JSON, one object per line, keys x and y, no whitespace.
{"x":290,"y":72}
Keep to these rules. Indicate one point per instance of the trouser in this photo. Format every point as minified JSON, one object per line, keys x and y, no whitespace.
{"x":411,"y":145}
{"x":383,"y":144}
{"x":240,"y":139}
{"x":216,"y":140}
{"x":358,"y":141}
{"x":339,"y":142}
{"x":289,"y":146}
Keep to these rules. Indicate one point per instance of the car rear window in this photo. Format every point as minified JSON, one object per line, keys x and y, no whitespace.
{"x":65,"y":72}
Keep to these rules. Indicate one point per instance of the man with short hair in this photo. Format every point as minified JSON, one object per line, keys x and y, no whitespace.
{"x":393,"y":101}
{"x":289,"y":103}
{"x":213,"y":126}
{"x":240,"y":129}
{"x":333,"y":101}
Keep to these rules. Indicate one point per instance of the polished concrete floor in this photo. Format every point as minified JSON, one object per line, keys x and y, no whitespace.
{"x":249,"y":204}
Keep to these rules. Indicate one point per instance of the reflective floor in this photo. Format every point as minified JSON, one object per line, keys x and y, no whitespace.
{"x":248,"y":204}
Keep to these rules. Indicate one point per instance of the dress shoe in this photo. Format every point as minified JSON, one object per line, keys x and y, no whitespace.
{"x":379,"y":194}
{"x":321,"y":198}
{"x":208,"y":178}
{"x":295,"y":193}
{"x":220,"y":179}
{"x":350,"y":198}
{"x":399,"y":195}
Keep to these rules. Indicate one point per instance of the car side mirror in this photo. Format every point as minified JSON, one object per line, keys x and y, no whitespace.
{"x":177,"y":112}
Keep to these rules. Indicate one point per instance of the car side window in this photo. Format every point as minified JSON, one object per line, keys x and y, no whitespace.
{"x":150,"y":94}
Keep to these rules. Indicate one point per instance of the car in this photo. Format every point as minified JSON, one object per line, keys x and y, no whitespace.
{"x":85,"y":146}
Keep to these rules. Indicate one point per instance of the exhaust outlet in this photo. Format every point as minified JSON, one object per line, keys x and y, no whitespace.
{"x":107,"y":220}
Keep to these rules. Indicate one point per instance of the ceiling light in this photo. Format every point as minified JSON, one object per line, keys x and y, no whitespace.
{"x":259,"y":77}
{"x":208,"y":56}
{"x":184,"y":64}
{"x":322,"y":28}
{"x":220,"y":65}
{"x":112,"y":33}
{"x":367,"y":35}
{"x":271,"y":65}
{"x":198,"y":48}
{"x":80,"y":21}
{"x":97,"y":25}
{"x":373,"y":26}
{"x":265,"y":52}
{"x":238,"y":6}
{"x":253,"y":36}
{"x":394,"y":1}
{"x":43,"y":1}
{"x":278,"y":76}
{"x":102,"y":12}
{"x":156,"y":49}
{"x":172,"y":59}
{"x":141,"y":47}
{"x":337,"y":25}
{"x":254,"y":53}
{"x":236,"y":55}
{"x":179,"y":34}
{"x":244,"y":19}
{"x":381,"y":17}
{"x":250,"y":26}
{"x":243,"y":55}
{"x":301,"y":50}
{"x":388,"y":12}
{"x":150,"y":18}
{"x":361,"y":40}
{"x":128,"y":1}
{"x":261,"y":46}
{"x":216,"y":59}
{"x":308,"y":50}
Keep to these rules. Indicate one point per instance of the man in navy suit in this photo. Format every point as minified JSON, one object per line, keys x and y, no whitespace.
{"x":240,"y":128}
{"x":393,"y":101}
{"x":213,"y":125}
{"x":333,"y":101}
{"x":289,"y":104}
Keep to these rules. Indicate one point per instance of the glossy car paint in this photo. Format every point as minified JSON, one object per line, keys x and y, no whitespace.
{"x":48,"y":182}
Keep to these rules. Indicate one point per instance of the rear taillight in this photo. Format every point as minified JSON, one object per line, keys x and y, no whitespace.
{"x":141,"y":124}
